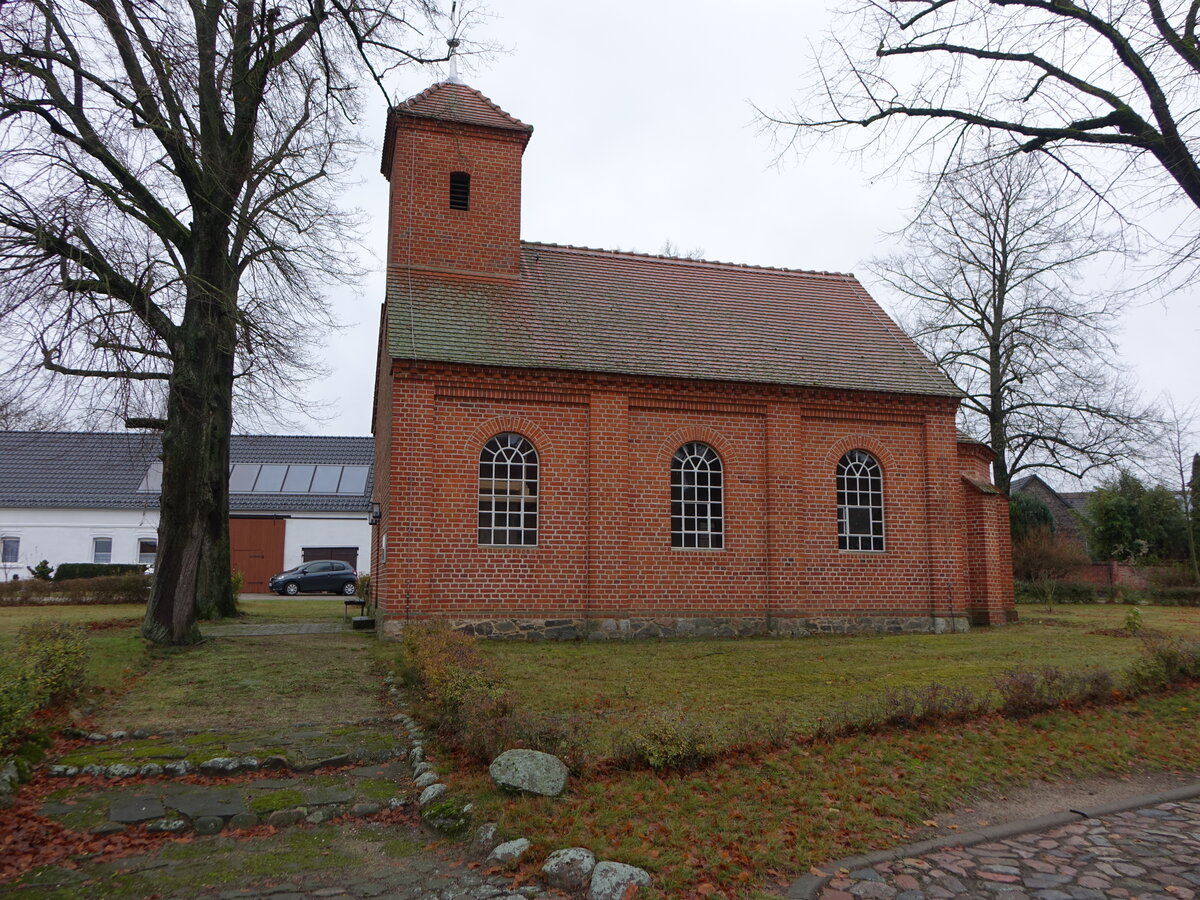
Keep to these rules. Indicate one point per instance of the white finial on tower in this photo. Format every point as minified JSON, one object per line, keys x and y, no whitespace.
{"x":453,"y":44}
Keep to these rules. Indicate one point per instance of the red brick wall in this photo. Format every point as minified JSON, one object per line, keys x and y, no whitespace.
{"x":605,"y":445}
{"x":424,"y":232}
{"x":987,"y":560}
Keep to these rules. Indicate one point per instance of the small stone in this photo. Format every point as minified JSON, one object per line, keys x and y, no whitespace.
{"x":274,"y":762}
{"x":150,"y":770}
{"x":396,"y":803}
{"x":248,"y":762}
{"x":97,"y":737}
{"x":531,"y":771}
{"x":322,"y":815}
{"x":177,"y":768}
{"x":92,"y":770}
{"x":425,"y":780}
{"x":485,"y":838}
{"x":364,"y":809}
{"x":415,"y":755}
{"x":282,"y":818}
{"x":139,"y":734}
{"x":421,"y":768}
{"x":431,"y":793}
{"x":208,"y":825}
{"x":468,"y":809}
{"x":108,"y":828}
{"x":170,"y":826}
{"x":569,"y":869}
{"x":509,"y":851}
{"x":243,"y":820}
{"x":610,"y":880}
{"x":220,"y":764}
{"x":121,"y":770}
{"x":117,"y":735}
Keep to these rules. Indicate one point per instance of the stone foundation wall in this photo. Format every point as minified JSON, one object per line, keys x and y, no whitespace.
{"x":635,"y":628}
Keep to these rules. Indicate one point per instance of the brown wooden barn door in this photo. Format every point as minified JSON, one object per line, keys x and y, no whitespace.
{"x":256,"y":550}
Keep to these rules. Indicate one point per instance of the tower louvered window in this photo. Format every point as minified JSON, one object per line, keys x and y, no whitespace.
{"x":460,"y":190}
{"x":508,"y":492}
{"x":859,"y":502}
{"x":697,"y":499}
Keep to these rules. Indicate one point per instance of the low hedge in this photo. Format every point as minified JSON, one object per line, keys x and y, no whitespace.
{"x":1072,"y":593}
{"x":74,"y":571}
{"x":108,"y":589}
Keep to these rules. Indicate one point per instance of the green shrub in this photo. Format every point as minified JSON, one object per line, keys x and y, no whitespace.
{"x":55,"y":656}
{"x":676,"y":741}
{"x":71,"y":571}
{"x":362,"y":587}
{"x":1065,"y":592}
{"x":1133,"y":620}
{"x":1165,"y":661}
{"x":43,"y":571}
{"x":237,"y":581}
{"x":16,"y":698}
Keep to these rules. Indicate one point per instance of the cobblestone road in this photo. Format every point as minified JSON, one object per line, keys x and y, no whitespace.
{"x":1144,"y":854}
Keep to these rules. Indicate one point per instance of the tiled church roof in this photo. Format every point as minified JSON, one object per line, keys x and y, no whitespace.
{"x":606,"y":311}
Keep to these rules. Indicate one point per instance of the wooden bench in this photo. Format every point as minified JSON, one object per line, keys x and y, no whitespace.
{"x":358,"y":602}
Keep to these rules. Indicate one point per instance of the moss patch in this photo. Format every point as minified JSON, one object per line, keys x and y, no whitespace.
{"x":276,"y":800}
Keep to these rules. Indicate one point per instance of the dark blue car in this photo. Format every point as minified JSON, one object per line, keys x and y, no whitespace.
{"x":319,"y":576}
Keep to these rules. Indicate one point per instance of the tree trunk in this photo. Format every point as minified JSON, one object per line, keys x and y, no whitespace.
{"x":193,"y":531}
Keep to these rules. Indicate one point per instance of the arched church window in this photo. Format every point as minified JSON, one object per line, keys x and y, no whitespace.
{"x":508,"y":491}
{"x":859,"y":502}
{"x":697,"y":501}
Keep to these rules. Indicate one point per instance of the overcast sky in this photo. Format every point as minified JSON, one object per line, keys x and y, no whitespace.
{"x":645,"y":132}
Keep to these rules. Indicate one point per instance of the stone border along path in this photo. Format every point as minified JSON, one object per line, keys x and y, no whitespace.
{"x":1144,"y":848}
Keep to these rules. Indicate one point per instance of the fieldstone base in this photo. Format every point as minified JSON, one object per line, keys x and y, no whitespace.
{"x":611,"y":629}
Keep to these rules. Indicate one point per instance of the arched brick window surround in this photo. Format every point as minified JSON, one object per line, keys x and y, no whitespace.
{"x":886,"y":462}
{"x":545,"y":454}
{"x":700,"y":434}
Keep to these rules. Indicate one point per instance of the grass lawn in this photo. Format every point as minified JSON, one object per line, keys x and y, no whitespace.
{"x":118,"y":652}
{"x":237,"y":683}
{"x":735,"y":683}
{"x":753,"y":820}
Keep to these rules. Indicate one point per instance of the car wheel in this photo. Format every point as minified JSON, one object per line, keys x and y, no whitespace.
{"x":291,"y":589}
{"x":349,"y":589}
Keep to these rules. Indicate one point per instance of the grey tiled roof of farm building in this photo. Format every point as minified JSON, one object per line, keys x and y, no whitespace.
{"x":98,"y":470}
{"x":578,"y":309}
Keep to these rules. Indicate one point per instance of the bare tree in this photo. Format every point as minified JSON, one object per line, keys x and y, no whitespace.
{"x":1059,"y":77}
{"x":169,"y":178}
{"x":990,"y":292}
{"x":1179,"y":436}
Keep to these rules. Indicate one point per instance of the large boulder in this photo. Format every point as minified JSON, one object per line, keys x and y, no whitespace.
{"x":531,"y":771}
{"x":570,"y":869}
{"x":611,"y":879}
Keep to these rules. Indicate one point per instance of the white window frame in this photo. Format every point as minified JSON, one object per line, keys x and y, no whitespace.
{"x":509,"y":475}
{"x":153,"y":561}
{"x":4,"y":539}
{"x":859,"y":483}
{"x":95,"y":551}
{"x":697,"y":498}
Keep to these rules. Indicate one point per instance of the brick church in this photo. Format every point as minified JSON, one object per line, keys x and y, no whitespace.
{"x":586,"y":443}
